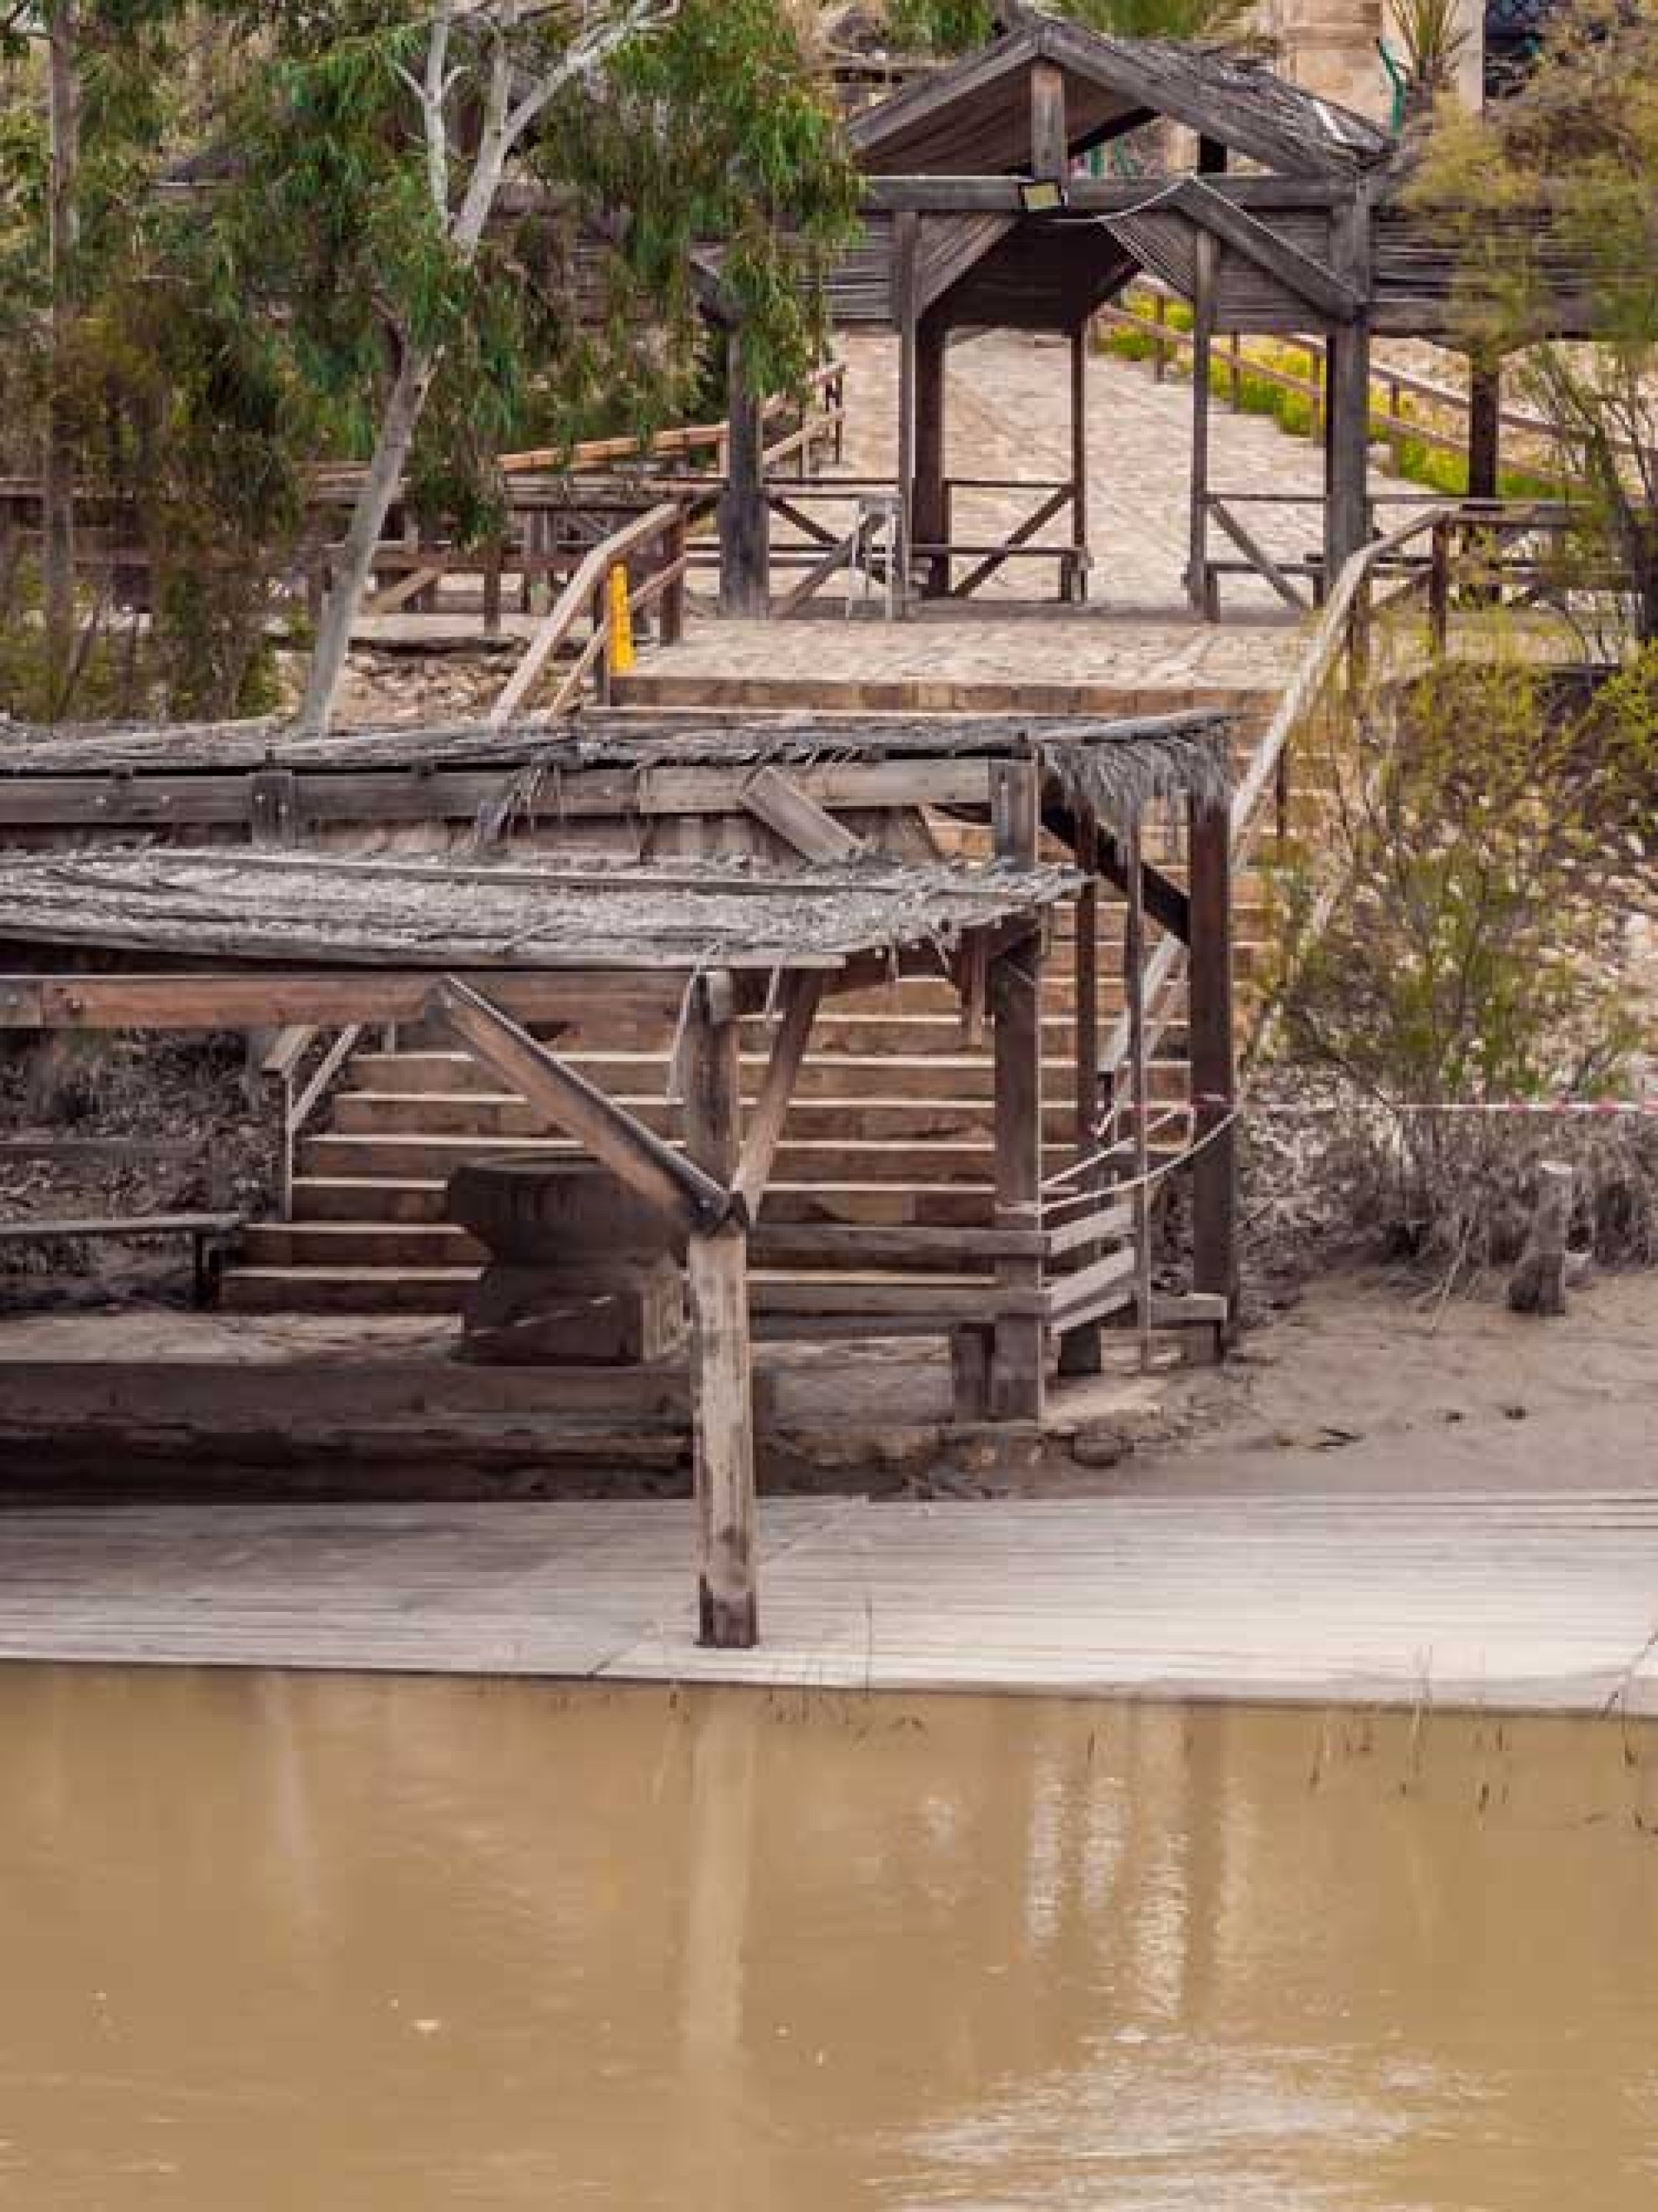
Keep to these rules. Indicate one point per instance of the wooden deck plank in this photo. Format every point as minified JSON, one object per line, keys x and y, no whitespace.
{"x":1516,"y":1602}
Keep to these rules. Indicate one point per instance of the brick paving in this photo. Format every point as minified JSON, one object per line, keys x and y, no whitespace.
{"x":1007,"y":409}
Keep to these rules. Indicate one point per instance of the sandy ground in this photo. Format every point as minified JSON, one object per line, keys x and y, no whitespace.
{"x":1362,"y":1386}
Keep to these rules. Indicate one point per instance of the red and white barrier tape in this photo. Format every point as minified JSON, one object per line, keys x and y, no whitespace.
{"x":1603,"y":1108}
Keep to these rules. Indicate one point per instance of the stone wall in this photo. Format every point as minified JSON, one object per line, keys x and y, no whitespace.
{"x":1330,"y":47}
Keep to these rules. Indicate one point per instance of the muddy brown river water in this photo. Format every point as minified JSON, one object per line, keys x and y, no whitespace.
{"x":276,"y":1944}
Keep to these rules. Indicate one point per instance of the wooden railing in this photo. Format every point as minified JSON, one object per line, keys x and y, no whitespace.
{"x":284,"y":1060}
{"x":1146,"y":313}
{"x":660,"y":531}
{"x":1482,"y":546}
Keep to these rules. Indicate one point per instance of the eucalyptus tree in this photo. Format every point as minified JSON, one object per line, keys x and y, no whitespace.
{"x":410,"y":182}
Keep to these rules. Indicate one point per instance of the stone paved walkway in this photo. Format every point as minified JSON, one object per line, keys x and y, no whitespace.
{"x":1007,"y":408}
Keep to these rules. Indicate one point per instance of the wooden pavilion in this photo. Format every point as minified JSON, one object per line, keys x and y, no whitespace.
{"x":510,"y":949}
{"x":979,"y":213}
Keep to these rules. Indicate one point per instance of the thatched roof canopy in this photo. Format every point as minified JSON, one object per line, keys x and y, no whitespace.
{"x":211,"y":906}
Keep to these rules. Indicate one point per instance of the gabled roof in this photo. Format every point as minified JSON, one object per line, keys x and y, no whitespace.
{"x":973,"y":119}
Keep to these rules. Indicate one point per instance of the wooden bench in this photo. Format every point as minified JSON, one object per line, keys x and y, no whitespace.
{"x":210,"y":1230}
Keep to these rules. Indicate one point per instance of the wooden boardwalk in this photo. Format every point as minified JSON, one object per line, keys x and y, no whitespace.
{"x":1517,"y":1602}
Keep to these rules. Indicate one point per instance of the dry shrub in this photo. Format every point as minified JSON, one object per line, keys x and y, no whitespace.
{"x":1328,"y":1176}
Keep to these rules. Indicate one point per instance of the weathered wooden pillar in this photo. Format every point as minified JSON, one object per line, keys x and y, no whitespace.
{"x":744,"y":517}
{"x":1080,"y":1348}
{"x":1347,"y":448}
{"x":930,"y":506}
{"x":1076,"y":574}
{"x":1485,"y":427}
{"x":722,"y":1380}
{"x":1209,"y":1028}
{"x":1347,"y":399}
{"x":1199,"y":586}
{"x":1015,"y":990}
{"x":906,"y":294}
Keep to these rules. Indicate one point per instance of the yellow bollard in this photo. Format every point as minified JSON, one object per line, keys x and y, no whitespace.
{"x":622,"y":655}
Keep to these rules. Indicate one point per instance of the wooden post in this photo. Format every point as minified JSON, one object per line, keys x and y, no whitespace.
{"x":673,"y":598}
{"x":1485,"y":427}
{"x":931,"y":516}
{"x":1539,"y":1283}
{"x":906,"y":281}
{"x":1080,"y":1348}
{"x":1050,"y":142}
{"x":722,"y":1380}
{"x":744,"y":517}
{"x":1208,"y":1024}
{"x":1133,"y":984}
{"x":1015,"y":985}
{"x":1347,"y":395}
{"x":1199,"y":584}
{"x":1077,"y":574}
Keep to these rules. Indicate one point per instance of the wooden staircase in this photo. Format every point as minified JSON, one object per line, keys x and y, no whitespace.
{"x":890,"y":1126}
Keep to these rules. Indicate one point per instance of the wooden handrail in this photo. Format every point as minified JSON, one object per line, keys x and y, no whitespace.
{"x":578,"y":598}
{"x":1335,"y":638}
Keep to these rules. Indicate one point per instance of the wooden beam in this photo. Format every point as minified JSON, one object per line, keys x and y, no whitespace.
{"x":777,"y":801}
{"x":946,"y":195}
{"x":998,"y":557}
{"x":801,"y":994}
{"x":633,"y":1152}
{"x":722,"y":1372}
{"x":1050,"y":142}
{"x":1209,"y":1028}
{"x":1330,"y":295}
{"x":1257,"y":554}
{"x":278,"y":997}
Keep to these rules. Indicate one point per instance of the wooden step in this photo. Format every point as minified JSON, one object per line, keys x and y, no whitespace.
{"x":345,"y":1290}
{"x":360,"y":1243}
{"x":855,"y":1115}
{"x":421,"y":1156}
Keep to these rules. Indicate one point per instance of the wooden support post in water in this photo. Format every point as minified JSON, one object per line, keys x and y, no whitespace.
{"x":1200,"y":584}
{"x":722,"y":1380}
{"x":1016,"y":993}
{"x":1208,"y":1024}
{"x":744,"y":517}
{"x":1077,"y":574}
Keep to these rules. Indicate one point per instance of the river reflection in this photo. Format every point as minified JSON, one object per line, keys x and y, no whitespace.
{"x":325,"y":1944}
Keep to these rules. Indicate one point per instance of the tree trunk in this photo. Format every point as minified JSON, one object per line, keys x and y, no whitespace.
{"x":58,"y":460}
{"x":356,"y":565}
